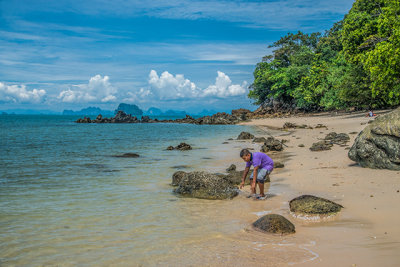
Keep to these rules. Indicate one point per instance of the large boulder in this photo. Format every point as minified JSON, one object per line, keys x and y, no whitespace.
{"x":205,"y":185}
{"x":378,"y":145}
{"x":312,"y":205}
{"x":274,"y":223}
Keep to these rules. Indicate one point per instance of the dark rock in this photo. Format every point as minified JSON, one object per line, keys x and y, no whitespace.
{"x":307,"y":204}
{"x":128,"y":155}
{"x":321,"y":145}
{"x":181,"y":146}
{"x":278,"y":164}
{"x":378,"y":145}
{"x":177,"y":177}
{"x":274,"y":223}
{"x":245,"y":136}
{"x":231,"y":168}
{"x":272,"y":144}
{"x":320,"y":126}
{"x":336,"y":138}
{"x":205,"y":185}
{"x":259,"y":140}
{"x":301,"y":145}
{"x":219,"y":118}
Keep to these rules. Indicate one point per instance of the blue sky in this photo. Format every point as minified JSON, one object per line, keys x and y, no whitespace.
{"x":176,"y":54}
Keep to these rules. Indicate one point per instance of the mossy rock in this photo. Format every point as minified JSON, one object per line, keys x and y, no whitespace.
{"x":206,"y":186}
{"x":274,"y":223}
{"x":378,"y":145}
{"x":312,"y":205}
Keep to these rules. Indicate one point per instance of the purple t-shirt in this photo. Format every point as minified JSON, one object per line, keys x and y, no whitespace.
{"x":261,"y":160}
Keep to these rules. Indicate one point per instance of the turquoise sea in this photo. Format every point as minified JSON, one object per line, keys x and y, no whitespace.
{"x":65,"y":200}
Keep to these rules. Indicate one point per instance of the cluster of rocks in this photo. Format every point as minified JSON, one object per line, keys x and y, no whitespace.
{"x":181,"y":146}
{"x":378,"y":145}
{"x":330,"y":140}
{"x":290,"y":125}
{"x":122,"y":117}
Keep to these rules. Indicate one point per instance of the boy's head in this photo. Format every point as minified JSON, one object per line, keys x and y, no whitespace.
{"x":245,"y":155}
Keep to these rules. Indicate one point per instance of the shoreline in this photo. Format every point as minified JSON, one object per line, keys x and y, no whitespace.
{"x":365,"y":232}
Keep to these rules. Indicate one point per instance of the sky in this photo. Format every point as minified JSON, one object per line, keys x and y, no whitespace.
{"x":175,"y":54}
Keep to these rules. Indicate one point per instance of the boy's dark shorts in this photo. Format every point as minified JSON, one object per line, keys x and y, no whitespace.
{"x":261,"y":175}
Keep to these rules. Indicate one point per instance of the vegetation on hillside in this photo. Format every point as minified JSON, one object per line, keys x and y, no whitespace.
{"x":356,"y":63}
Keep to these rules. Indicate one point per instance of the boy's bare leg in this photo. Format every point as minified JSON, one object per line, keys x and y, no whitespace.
{"x":261,"y":186}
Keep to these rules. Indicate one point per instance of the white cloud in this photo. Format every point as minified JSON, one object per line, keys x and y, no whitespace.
{"x":99,"y":89}
{"x":19,"y":94}
{"x":170,"y":87}
{"x":223,"y":87}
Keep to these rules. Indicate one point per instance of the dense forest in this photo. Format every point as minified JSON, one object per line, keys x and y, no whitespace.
{"x":356,"y":63}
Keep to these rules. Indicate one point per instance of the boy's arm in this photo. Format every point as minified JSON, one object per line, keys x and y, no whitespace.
{"x":246,"y":171}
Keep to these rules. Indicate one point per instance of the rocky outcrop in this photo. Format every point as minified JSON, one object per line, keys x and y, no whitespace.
{"x":378,"y":145}
{"x":274,"y":223}
{"x":122,"y":117}
{"x":206,"y":186}
{"x":312,"y":205}
{"x":245,"y":136}
{"x":272,"y":144}
{"x":181,"y":146}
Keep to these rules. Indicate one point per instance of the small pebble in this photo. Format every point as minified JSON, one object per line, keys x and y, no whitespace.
{"x":371,"y":196}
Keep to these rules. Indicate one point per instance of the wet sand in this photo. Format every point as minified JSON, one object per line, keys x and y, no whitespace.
{"x":366,"y":232}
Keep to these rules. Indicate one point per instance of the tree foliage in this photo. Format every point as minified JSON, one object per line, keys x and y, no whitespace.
{"x":355,"y":63}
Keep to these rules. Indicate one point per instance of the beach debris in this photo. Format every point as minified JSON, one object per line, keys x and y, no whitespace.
{"x":353,"y":133}
{"x":181,"y":146}
{"x":319,"y":125}
{"x":274,"y":223}
{"x":127,"y":155}
{"x":290,"y":125}
{"x":272,"y":144}
{"x":378,"y":145}
{"x":278,"y":164}
{"x":312,"y":205}
{"x":259,"y":140}
{"x":245,"y":136}
{"x":177,"y":177}
{"x":301,"y":145}
{"x":321,"y":145}
{"x":205,"y":185}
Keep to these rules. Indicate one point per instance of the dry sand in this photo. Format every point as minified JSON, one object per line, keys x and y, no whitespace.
{"x":367,"y":230}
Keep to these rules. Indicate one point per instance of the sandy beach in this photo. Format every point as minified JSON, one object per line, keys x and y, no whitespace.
{"x":366,"y":231}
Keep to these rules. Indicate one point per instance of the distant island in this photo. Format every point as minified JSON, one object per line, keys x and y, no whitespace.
{"x":134,"y":110}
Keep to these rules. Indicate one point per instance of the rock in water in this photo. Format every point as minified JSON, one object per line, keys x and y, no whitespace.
{"x":205,"y":185}
{"x":245,"y":135}
{"x":378,"y":145}
{"x":127,"y":155}
{"x":177,"y":177}
{"x":310,"y":205}
{"x":274,"y":223}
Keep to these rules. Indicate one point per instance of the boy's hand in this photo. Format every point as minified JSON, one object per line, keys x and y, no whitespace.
{"x":241,"y":185}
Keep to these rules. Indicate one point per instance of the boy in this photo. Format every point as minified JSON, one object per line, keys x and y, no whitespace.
{"x":263,"y":166}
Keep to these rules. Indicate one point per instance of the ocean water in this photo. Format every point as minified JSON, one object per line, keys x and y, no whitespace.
{"x":66,"y":200}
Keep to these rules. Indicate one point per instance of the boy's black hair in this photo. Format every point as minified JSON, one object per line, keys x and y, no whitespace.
{"x":244,"y":152}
